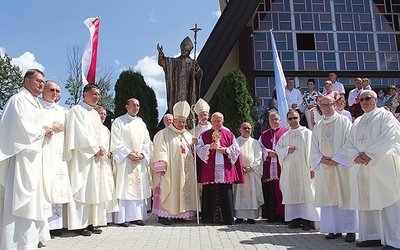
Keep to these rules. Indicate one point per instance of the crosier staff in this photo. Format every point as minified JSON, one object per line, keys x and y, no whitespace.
{"x":195,"y":164}
{"x":193,"y":93}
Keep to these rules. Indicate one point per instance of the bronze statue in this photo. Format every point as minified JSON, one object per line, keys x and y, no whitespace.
{"x":182,"y":75}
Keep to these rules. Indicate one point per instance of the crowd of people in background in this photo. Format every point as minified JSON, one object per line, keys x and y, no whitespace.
{"x":335,"y":168}
{"x":306,"y":102}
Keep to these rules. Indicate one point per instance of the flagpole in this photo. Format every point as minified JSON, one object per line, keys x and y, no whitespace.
{"x":280,"y":83}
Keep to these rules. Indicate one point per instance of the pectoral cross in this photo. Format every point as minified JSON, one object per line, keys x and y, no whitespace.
{"x":362,"y":139}
{"x":366,"y":122}
{"x":294,"y":135}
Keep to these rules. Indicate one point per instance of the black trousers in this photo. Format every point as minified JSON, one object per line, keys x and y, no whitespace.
{"x":217,"y":203}
{"x":268,"y":209}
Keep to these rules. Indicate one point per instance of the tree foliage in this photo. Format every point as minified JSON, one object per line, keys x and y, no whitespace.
{"x":74,"y":82}
{"x":104,"y":83}
{"x":11,"y":79}
{"x":233,"y":99}
{"x":131,"y":84}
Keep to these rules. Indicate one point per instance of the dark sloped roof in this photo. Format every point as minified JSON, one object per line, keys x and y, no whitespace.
{"x":223,"y":37}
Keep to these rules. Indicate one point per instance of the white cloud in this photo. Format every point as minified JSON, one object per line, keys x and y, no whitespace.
{"x":117,"y":62}
{"x":2,"y":51}
{"x":154,"y":76}
{"x":217,"y":13}
{"x":27,"y":61}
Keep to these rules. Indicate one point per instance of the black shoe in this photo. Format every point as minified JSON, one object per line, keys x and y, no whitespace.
{"x":238,"y":221}
{"x":97,"y":230}
{"x":296,"y":223}
{"x":369,"y":243}
{"x":125,"y":224}
{"x":138,"y":222}
{"x":350,"y":237}
{"x":332,"y":236}
{"x":84,"y":232}
{"x":164,"y":221}
{"x":251,"y":221}
{"x":56,"y":232}
{"x":40,"y":245}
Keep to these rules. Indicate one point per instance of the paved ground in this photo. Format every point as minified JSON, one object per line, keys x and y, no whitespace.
{"x":187,"y":235}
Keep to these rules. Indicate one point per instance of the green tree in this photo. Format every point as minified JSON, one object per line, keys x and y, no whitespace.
{"x":11,"y":79}
{"x":74,"y":82}
{"x":106,"y":97}
{"x":233,"y":99}
{"x":131,"y":84}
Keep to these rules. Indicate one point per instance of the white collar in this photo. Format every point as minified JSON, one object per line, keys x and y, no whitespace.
{"x":129,"y":117}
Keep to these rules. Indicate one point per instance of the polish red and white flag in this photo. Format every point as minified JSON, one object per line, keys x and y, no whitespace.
{"x":89,"y":58}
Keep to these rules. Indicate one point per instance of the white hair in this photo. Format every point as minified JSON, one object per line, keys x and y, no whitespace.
{"x":218,"y":114}
{"x":371,"y":92}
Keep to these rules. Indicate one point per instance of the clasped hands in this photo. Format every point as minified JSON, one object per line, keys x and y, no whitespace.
{"x":272,"y":153}
{"x":101,"y":152}
{"x":328,"y":161}
{"x":246,"y":169}
{"x":135,"y":156}
{"x":48,"y":131}
{"x":56,"y":127}
{"x":216,"y":147}
{"x":362,"y":158}
{"x":291,"y":149}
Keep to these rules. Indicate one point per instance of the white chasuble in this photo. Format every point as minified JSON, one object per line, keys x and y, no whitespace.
{"x":57,"y":186}
{"x":129,"y":134}
{"x":88,"y":173}
{"x":196,"y":131}
{"x":178,"y":185}
{"x":23,"y":208}
{"x":376,"y":185}
{"x":332,"y":185}
{"x":249,"y":196}
{"x":295,"y":182}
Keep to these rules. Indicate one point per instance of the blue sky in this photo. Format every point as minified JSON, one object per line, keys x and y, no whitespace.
{"x":36,"y":34}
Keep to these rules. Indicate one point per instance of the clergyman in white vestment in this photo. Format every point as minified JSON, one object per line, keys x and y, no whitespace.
{"x":131,"y":148}
{"x":24,"y":209}
{"x":248,"y":196}
{"x":87,"y":165}
{"x":111,"y":206}
{"x":296,"y":183}
{"x":57,"y":186}
{"x":373,"y":147}
{"x":332,"y":186}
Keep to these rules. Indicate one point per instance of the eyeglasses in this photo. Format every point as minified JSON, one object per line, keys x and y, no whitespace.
{"x":326,"y":105}
{"x":37,"y":80}
{"x":54,"y":90}
{"x":292,"y":118}
{"x":246,"y":128}
{"x":368,"y":98}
